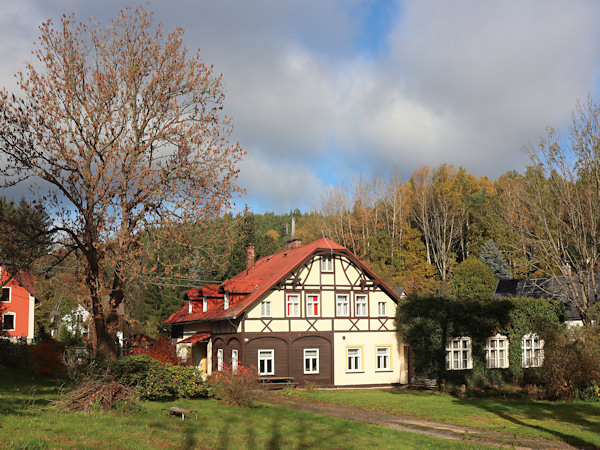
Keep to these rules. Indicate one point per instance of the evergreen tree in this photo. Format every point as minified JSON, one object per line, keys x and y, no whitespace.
{"x":494,"y":260}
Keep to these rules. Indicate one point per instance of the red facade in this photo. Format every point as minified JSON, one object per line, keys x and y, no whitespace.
{"x":17,"y":305}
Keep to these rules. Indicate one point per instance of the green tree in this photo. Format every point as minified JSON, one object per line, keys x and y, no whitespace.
{"x":473,"y":280}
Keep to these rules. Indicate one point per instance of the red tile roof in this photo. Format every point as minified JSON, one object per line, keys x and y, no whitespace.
{"x":249,"y":285}
{"x":196,"y":338}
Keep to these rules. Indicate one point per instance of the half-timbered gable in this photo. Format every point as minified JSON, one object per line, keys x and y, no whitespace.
{"x":312,"y":313}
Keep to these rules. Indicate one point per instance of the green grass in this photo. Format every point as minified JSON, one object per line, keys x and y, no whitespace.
{"x":575,"y":422}
{"x":28,"y":422}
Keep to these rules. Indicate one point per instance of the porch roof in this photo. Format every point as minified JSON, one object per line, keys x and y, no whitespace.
{"x":195,"y":338}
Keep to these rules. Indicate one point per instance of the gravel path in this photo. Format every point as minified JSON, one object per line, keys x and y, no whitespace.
{"x":415,"y":425}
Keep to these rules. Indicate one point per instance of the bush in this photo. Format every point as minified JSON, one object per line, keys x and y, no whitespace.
{"x":235,"y":387}
{"x":155,"y":380}
{"x":47,"y":358}
{"x":17,"y":355}
{"x":162,"y":350}
{"x":571,"y":363}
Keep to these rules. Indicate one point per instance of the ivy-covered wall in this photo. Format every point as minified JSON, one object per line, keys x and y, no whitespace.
{"x":427,"y":324}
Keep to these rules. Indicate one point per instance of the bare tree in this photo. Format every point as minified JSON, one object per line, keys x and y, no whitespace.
{"x":125,"y":126}
{"x":562,"y":201}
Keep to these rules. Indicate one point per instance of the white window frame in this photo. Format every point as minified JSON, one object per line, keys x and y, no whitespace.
{"x":226,"y":300}
{"x":219,"y":359}
{"x":532,"y":351}
{"x":365,"y":304}
{"x":313,"y":361}
{"x":204,"y":304}
{"x":382,"y":311}
{"x":354,"y":360}
{"x":309,"y":304}
{"x":189,"y":306}
{"x":296,"y":303}
{"x":265,"y":308}
{"x":266,"y":355}
{"x":9,"y":294}
{"x":327,"y":264}
{"x":459,"y":354}
{"x":14,"y":316}
{"x":383,"y":355}
{"x":234,"y":359}
{"x":345,"y":303}
{"x":496,"y":352}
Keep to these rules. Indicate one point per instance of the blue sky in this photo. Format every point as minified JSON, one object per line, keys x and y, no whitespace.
{"x":322,"y":91}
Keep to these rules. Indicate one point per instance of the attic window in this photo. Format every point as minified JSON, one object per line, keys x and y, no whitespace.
{"x":189,"y":307}
{"x":326,"y":264}
{"x":204,"y":304}
{"x":226,"y":301}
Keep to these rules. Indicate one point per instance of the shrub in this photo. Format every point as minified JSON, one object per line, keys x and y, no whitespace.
{"x":155,"y":380}
{"x":235,"y":387}
{"x":161,"y":350}
{"x":46,"y":357}
{"x":16,"y":355}
{"x":571,"y":363}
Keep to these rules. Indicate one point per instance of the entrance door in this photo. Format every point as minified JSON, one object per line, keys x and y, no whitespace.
{"x":200,"y":356}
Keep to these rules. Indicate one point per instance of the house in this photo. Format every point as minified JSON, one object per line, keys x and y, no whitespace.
{"x":549,"y":287}
{"x":313,"y":312}
{"x":76,"y":321}
{"x":17,"y":305}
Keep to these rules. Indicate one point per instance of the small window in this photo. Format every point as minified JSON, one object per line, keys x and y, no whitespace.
{"x":266,"y":364}
{"x":313,"y":305}
{"x":533,"y":350}
{"x":265,"y":309}
{"x":5,"y":294}
{"x":204,"y":304}
{"x":292,"y":306}
{"x":234,"y":360}
{"x":311,"y":360}
{"x":383,"y":358}
{"x":354,"y":359}
{"x":219,"y":359}
{"x":458,"y":354}
{"x":326,"y":264}
{"x":8,"y":322}
{"x":360,"y":306}
{"x":496,"y":352}
{"x":381,"y":307}
{"x":342,"y":305}
{"x":189,"y":306}
{"x":226,"y":301}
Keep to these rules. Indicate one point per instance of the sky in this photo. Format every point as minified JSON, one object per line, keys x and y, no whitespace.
{"x":323,"y":91}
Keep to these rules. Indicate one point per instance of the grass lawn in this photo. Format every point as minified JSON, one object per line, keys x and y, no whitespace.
{"x":26,"y":421}
{"x":576,"y":422}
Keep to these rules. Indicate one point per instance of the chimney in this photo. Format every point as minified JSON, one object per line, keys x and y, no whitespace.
{"x":294,"y":243}
{"x":250,"y":256}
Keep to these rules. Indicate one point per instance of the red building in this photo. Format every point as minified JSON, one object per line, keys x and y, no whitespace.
{"x":17,"y":304}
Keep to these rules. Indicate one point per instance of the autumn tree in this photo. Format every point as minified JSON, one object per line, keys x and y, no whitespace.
{"x":562,"y":202}
{"x":124,"y":124}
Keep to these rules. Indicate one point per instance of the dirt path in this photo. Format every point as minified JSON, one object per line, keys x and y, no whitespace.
{"x":406,"y":423}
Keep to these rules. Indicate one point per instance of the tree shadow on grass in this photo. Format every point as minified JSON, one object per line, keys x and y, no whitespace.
{"x":521,"y":412}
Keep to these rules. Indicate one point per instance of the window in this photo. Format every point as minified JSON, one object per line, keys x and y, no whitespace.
{"x":458,"y":354}
{"x":354,"y":359}
{"x":8,"y":321}
{"x":313,"y":305}
{"x":496,"y":352}
{"x":381,"y":307}
{"x":342,"y":305}
{"x":293,"y":305}
{"x":189,"y":306}
{"x":265,"y":309}
{"x":234,"y":360}
{"x":360,"y":306}
{"x":204,"y":304}
{"x":311,"y":360}
{"x":327,"y":264}
{"x":219,"y":359}
{"x":382,"y":355}
{"x":266,"y":364}
{"x":5,"y":294}
{"x":533,"y":351}
{"x":226,"y":301}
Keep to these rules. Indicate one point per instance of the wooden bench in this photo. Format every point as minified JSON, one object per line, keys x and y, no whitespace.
{"x":174,"y":410}
{"x":274,"y":383}
{"x":424,"y":383}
